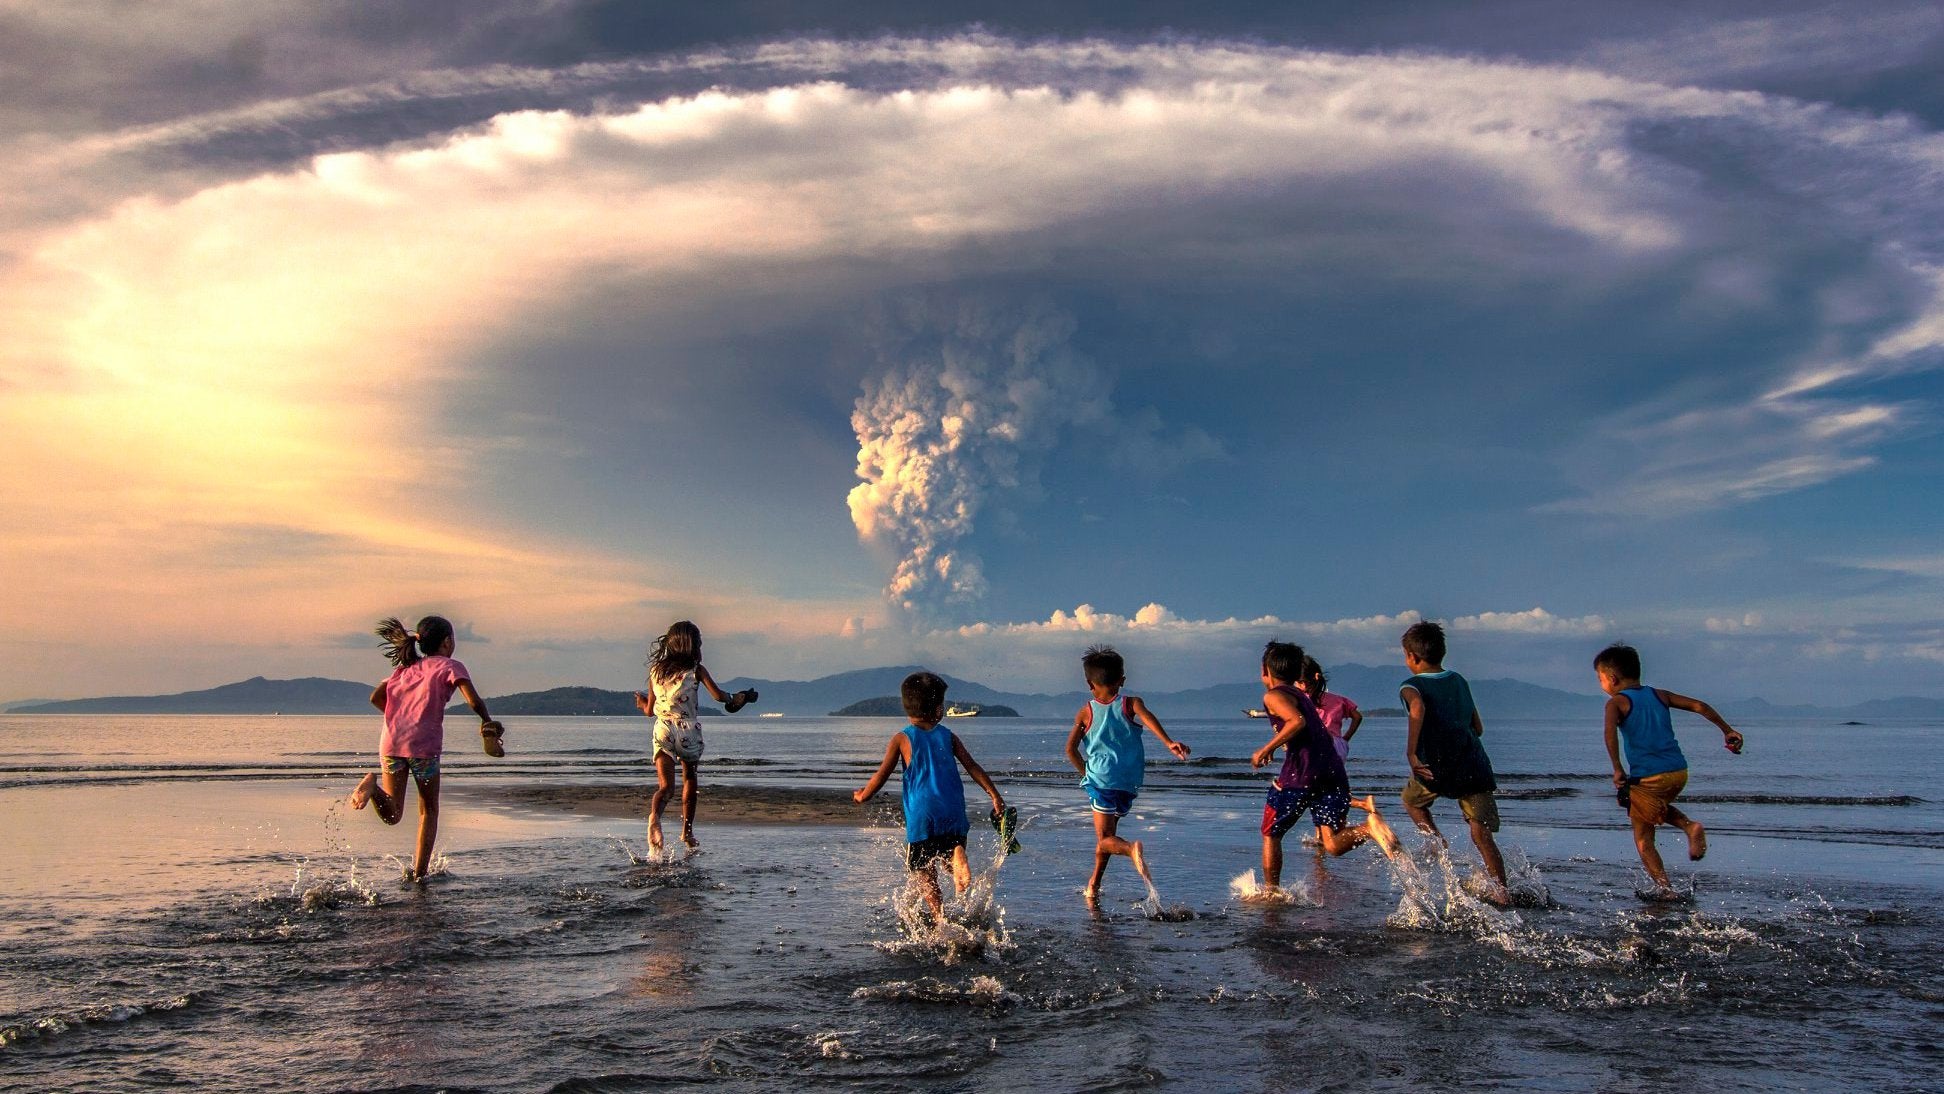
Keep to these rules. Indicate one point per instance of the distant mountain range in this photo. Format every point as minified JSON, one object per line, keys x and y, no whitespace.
{"x":1374,"y":687}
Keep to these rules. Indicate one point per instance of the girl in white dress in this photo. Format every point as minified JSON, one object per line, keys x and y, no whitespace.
{"x":675,"y":676}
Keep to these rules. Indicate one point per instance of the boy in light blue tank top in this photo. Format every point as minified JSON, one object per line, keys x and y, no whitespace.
{"x":933,"y":794}
{"x":1656,"y":771}
{"x":1105,"y":747}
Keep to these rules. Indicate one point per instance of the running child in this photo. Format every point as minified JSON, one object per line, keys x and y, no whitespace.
{"x":1656,"y":771}
{"x":933,"y":794}
{"x":1105,"y":746}
{"x":1312,"y":778}
{"x":1443,"y":750}
{"x":675,"y":674}
{"x":1332,"y":707}
{"x":413,"y":701}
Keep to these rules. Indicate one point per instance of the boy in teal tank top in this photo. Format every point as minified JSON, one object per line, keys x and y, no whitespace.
{"x":933,"y":793}
{"x":1105,"y":747}
{"x":1656,"y":771}
{"x":1444,"y":751}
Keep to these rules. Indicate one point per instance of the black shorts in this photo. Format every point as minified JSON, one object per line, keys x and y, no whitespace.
{"x":927,"y":851}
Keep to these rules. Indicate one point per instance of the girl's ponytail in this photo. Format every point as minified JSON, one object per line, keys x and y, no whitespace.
{"x":399,"y":644}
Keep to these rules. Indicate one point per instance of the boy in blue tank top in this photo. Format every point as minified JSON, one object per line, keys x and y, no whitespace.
{"x":1656,"y":771}
{"x":1444,"y":752}
{"x":933,"y":793}
{"x":1105,"y":747}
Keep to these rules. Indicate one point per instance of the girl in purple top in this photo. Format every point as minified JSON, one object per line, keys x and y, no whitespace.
{"x":413,"y":701}
{"x":1312,"y":779}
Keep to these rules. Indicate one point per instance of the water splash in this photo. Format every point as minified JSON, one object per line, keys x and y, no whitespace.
{"x":1245,"y":888}
{"x":973,"y":923}
{"x":1154,"y":909}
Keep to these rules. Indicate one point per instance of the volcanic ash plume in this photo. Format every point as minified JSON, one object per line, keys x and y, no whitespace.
{"x":973,"y":395}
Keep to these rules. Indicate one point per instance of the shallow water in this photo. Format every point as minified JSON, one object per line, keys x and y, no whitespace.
{"x":186,"y":903}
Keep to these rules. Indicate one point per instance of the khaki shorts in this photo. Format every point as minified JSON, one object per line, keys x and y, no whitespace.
{"x":1481,"y":807}
{"x":1649,"y":796}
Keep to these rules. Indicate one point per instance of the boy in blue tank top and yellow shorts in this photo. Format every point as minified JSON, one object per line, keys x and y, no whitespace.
{"x":933,"y":793}
{"x":1105,"y":747}
{"x":1656,"y":771}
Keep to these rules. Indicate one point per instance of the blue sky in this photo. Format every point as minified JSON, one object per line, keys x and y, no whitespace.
{"x":869,"y":334}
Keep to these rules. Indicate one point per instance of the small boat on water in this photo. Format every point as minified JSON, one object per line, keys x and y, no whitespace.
{"x":1255,"y":712}
{"x":771,"y":714}
{"x":961,"y":712}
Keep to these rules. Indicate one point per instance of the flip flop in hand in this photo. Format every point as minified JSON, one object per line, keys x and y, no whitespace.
{"x":490,"y":732}
{"x":739,"y":700}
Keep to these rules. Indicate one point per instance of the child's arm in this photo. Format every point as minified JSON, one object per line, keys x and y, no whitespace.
{"x":702,"y":674}
{"x":1293,"y":723}
{"x":1729,"y":735}
{"x":978,"y":774}
{"x":1081,"y":723}
{"x":473,"y":700}
{"x":1414,"y":709}
{"x":1148,"y":719}
{"x":378,"y":697}
{"x":892,"y":753}
{"x":1478,"y":724}
{"x":1356,"y":719}
{"x":1617,"y":709}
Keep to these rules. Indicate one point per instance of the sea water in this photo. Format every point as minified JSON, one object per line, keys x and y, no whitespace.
{"x":186,"y":902}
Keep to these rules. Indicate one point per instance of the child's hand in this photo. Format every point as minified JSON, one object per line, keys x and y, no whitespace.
{"x":1261,"y":756}
{"x":1733,"y":739}
{"x":1180,"y":750}
{"x":859,"y":796}
{"x":643,"y":703}
{"x":1619,"y":778}
{"x":1419,"y":769}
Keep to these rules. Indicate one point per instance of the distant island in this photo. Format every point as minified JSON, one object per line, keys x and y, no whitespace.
{"x":890,"y":706}
{"x":837,"y":693}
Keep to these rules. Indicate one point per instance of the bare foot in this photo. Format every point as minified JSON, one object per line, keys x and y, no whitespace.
{"x":362,"y":795}
{"x":1380,"y":832}
{"x":688,"y":840}
{"x":1367,"y":803}
{"x":1135,"y":853}
{"x":1091,"y":895}
{"x":654,"y":839}
{"x":1697,"y":842}
{"x":1495,"y":894}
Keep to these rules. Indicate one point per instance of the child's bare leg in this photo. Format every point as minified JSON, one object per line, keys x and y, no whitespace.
{"x":1649,"y":854}
{"x":1379,"y":829}
{"x":1106,"y":846}
{"x":961,"y":871}
{"x":664,"y":783}
{"x":1489,"y":851}
{"x":1272,"y":859}
{"x":927,"y":878}
{"x":1340,"y":841}
{"x":1135,"y":853}
{"x":386,"y":794}
{"x":428,"y":831}
{"x":688,"y":804}
{"x":362,"y":793}
{"x":1421,"y":816}
{"x":1697,"y":835}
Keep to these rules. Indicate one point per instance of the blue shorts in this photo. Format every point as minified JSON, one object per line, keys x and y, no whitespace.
{"x":1114,"y":803}
{"x":423,"y":768}
{"x":1328,"y":803}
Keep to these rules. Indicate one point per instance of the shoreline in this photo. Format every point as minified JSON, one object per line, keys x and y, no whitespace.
{"x":720,"y":803}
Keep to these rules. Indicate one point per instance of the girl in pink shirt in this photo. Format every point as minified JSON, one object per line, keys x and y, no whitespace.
{"x":1331,"y":708}
{"x":413,"y":701}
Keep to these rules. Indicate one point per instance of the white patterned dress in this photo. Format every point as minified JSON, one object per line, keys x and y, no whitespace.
{"x":678,"y":731}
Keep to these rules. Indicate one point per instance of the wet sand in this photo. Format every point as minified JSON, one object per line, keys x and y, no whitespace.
{"x":721,"y":803}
